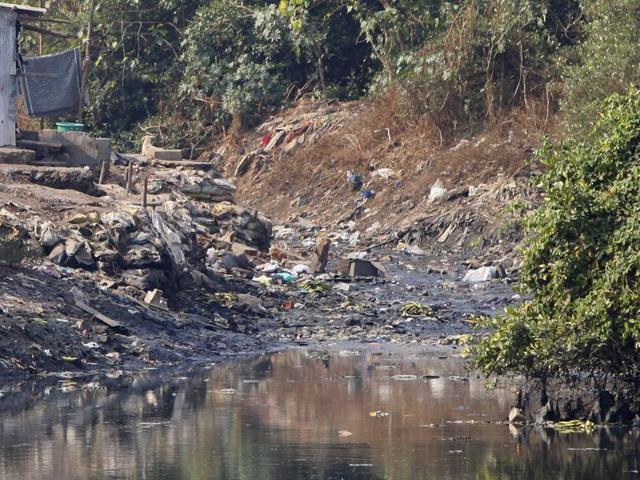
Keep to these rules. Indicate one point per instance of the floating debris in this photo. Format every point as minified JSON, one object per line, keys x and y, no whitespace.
{"x":413,"y":309}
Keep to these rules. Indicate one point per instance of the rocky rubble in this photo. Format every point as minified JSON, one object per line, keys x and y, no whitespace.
{"x":163,"y":248}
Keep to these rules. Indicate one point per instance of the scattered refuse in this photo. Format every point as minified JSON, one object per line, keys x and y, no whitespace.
{"x":357,"y":268}
{"x":404,"y":378}
{"x":355,"y":181}
{"x":286,"y":277}
{"x":103,"y":318}
{"x":386,"y":173}
{"x":378,"y":414}
{"x":314,"y":286}
{"x":482,"y":274}
{"x":413,"y":309}
{"x":155,"y":297}
{"x":301,"y":269}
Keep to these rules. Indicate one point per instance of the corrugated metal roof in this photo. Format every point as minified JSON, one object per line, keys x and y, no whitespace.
{"x":24,"y":9}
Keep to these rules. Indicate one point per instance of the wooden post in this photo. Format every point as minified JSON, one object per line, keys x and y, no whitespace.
{"x":145,"y":186}
{"x":103,"y":171}
{"x":129,"y":177}
{"x":87,"y":62}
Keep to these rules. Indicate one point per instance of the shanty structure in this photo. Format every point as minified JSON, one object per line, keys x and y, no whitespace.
{"x":10,"y":14}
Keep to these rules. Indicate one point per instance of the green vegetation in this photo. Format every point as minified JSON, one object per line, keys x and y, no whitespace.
{"x":582,"y":263}
{"x":186,"y":71}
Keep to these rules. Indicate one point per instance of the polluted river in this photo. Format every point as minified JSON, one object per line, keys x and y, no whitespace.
{"x":336,"y":377}
{"x":335,"y":413}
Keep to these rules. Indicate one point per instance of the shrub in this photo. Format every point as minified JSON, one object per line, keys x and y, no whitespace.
{"x":582,"y":263}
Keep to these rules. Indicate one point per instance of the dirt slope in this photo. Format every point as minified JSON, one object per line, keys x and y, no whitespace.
{"x":296,"y":166}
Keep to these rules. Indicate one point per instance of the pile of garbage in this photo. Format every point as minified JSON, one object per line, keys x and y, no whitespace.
{"x":285,"y":133}
{"x":148,"y":249}
{"x":205,"y":186}
{"x":282,"y":134}
{"x":249,"y":226}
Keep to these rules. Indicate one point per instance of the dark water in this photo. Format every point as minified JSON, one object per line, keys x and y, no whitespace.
{"x":289,"y":417}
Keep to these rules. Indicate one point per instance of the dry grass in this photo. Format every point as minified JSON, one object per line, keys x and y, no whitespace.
{"x":311,"y":181}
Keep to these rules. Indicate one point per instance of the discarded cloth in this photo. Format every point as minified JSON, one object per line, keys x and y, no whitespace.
{"x":51,"y":83}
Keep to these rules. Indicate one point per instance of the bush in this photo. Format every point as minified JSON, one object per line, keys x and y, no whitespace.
{"x":582,"y":264}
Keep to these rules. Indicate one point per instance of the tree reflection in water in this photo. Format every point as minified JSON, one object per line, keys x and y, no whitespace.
{"x":278,"y":417}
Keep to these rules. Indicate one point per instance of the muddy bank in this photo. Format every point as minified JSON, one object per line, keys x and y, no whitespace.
{"x":47,"y":328}
{"x":105,"y":283}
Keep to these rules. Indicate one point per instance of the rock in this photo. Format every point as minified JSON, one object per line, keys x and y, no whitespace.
{"x":154,"y":297}
{"x":483,"y":274}
{"x":438,"y":192}
{"x":544,"y":414}
{"x":517,"y":416}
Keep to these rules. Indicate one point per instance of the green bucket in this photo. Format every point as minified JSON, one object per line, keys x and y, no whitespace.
{"x":70,"y":127}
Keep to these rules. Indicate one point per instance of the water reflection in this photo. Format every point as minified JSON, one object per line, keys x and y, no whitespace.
{"x":279,"y":417}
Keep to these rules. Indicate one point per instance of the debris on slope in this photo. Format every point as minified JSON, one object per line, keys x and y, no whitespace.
{"x":366,"y":163}
{"x":283,"y":134}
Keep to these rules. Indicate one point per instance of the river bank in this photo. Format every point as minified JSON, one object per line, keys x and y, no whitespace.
{"x":45,"y":332}
{"x":92,"y":280}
